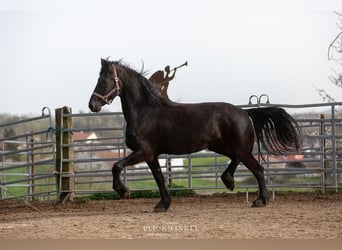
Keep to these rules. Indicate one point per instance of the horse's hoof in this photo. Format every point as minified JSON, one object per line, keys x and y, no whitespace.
{"x":229,"y":182}
{"x":125,"y":195}
{"x":160,"y":208}
{"x":231,"y":186}
{"x":260,"y":202}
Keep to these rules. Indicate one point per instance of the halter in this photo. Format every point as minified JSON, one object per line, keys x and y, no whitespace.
{"x":116,"y":88}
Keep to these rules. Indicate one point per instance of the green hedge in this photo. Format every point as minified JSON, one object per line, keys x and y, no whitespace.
{"x":178,"y":190}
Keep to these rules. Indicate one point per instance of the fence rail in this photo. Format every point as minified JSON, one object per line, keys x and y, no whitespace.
{"x":69,"y":157}
{"x":27,"y":167}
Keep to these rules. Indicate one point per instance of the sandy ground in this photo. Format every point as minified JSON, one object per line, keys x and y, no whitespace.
{"x":224,"y":216}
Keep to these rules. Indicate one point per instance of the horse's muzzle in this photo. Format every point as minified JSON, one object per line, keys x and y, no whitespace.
{"x":94,"y":106}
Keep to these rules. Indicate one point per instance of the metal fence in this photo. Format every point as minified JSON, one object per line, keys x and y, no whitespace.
{"x":27,"y":167}
{"x":86,"y":153}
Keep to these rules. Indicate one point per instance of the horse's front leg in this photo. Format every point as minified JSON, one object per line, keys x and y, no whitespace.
{"x":165,"y":201}
{"x":118,"y":186}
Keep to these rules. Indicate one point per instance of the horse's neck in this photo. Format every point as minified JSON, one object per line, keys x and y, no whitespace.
{"x":133,"y":101}
{"x":130,"y":112}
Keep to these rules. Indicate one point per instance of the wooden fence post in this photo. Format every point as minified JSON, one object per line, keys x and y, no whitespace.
{"x":64,"y":155}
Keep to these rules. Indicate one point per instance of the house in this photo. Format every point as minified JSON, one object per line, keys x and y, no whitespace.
{"x":91,"y":154}
{"x":84,"y":137}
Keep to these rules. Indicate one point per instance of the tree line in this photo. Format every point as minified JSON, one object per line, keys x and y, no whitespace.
{"x":80,"y":123}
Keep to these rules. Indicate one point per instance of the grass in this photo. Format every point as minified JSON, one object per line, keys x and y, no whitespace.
{"x":22,"y":182}
{"x":178,"y":191}
{"x":179,"y":185}
{"x":207,"y":163}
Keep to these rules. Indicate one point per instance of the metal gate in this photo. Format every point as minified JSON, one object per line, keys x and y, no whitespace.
{"x":27,"y":166}
{"x":66,"y":157}
{"x":319,"y":167}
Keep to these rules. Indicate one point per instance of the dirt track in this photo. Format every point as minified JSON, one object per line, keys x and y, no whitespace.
{"x":228,"y":216}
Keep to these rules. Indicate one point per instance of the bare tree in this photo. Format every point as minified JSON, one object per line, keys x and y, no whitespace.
{"x":335,"y":55}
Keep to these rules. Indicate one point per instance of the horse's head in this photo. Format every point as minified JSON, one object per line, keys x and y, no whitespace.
{"x":107,"y":87}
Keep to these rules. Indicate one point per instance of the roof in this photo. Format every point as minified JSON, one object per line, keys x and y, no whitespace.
{"x":84,"y":136}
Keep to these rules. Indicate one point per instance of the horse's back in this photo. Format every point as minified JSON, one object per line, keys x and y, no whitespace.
{"x":187,"y":128}
{"x":213,"y":112}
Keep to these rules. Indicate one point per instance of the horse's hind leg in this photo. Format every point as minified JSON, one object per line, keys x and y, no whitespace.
{"x":228,"y":175}
{"x":258,"y":171}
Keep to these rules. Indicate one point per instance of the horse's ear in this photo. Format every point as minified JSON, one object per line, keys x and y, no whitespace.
{"x":103,"y":62}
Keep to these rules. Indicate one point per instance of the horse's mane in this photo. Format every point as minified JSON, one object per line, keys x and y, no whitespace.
{"x":148,"y":88}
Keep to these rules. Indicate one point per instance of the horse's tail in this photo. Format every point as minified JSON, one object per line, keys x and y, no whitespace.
{"x":276,"y":130}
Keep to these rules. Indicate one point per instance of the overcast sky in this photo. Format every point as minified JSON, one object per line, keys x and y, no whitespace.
{"x":50,"y":50}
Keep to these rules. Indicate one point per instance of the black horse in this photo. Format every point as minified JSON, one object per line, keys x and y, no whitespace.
{"x":156,"y":125}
